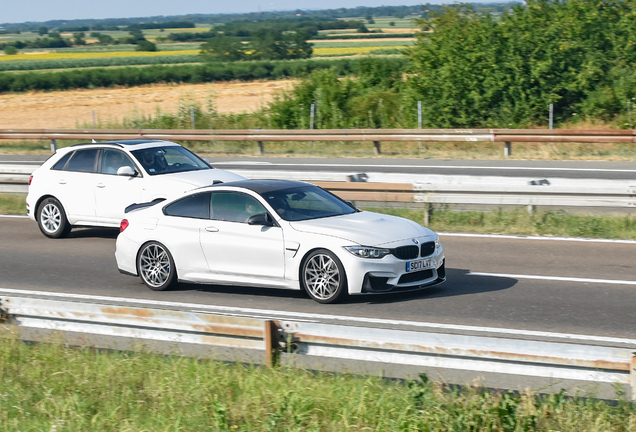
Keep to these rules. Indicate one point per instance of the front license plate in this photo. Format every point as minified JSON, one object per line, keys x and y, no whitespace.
{"x":424,"y":264}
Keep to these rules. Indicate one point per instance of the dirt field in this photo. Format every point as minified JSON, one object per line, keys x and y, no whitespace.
{"x":69,"y":109}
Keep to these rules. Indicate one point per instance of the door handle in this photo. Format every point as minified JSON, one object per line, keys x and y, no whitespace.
{"x":62,"y":181}
{"x":212,"y":229}
{"x":101,"y":185}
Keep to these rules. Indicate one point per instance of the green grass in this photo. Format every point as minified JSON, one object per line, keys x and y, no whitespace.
{"x":12,"y":204}
{"x":49,"y":387}
{"x":517,"y":221}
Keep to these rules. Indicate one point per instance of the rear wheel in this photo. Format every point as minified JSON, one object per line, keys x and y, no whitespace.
{"x":323,"y":276}
{"x":156,"y":267}
{"x":52,"y":219}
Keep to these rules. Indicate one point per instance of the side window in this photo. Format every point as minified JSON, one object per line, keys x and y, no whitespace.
{"x":234,"y":207}
{"x":112,"y":160}
{"x":193,"y":206}
{"x":83,"y":161}
{"x":60,"y":164}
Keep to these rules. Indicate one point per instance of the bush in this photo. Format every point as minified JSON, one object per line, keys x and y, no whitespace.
{"x":10,"y":50}
{"x":146,"y":45}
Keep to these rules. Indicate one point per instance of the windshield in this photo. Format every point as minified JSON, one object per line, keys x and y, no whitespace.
{"x":169,"y":159}
{"x":306,"y":202}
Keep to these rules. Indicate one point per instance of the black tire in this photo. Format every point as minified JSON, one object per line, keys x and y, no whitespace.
{"x":155,"y":267}
{"x":323,"y":277}
{"x":52,"y":219}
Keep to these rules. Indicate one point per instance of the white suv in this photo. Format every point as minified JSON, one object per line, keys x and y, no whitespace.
{"x":92,"y":184}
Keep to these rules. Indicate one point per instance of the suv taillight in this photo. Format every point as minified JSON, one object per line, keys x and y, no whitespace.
{"x":123,"y":225}
{"x":30,"y":180}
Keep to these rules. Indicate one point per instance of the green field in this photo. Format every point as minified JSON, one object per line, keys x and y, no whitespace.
{"x":51,"y":387}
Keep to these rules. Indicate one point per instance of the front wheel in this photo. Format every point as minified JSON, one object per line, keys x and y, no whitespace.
{"x":323,"y":276}
{"x":52,"y":219}
{"x":156,"y":267}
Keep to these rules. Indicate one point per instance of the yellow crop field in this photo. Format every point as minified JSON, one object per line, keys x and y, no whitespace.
{"x":102,"y":54}
{"x":108,"y":54}
{"x":352,"y":50}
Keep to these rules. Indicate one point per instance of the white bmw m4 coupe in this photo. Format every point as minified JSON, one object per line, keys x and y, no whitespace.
{"x":276,"y":234}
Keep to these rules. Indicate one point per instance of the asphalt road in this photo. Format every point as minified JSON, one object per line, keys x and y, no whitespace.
{"x":504,"y":168}
{"x":84,"y":263}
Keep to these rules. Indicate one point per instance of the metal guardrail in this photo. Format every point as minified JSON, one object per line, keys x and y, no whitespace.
{"x":507,"y":136}
{"x":175,"y":332}
{"x":429,"y":189}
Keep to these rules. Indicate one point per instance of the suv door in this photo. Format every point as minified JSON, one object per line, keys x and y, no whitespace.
{"x":114,"y":193}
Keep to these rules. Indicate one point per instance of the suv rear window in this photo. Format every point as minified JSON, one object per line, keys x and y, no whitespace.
{"x":60,"y":164}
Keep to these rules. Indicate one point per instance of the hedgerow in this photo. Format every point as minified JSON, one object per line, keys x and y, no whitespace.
{"x":194,"y":73}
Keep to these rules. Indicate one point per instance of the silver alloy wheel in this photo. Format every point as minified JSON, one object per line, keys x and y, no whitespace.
{"x":51,"y":217}
{"x":322,"y":277}
{"x":154,"y":265}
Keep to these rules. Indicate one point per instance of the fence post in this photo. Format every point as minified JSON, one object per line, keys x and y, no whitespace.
{"x":551,"y":119}
{"x":419,"y":118}
{"x":312,"y":113}
{"x":632,"y":375}
{"x":53,"y":146}
{"x":271,"y":343}
{"x":376,"y":148}
{"x":192,"y":118}
{"x":507,"y":148}
{"x":94,"y":121}
{"x":260,"y":147}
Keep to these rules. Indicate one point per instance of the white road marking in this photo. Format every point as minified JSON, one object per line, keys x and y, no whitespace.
{"x":14,"y":216}
{"x":323,"y":317}
{"x":555,"y":278}
{"x":520,"y":237}
{"x":430,"y":166}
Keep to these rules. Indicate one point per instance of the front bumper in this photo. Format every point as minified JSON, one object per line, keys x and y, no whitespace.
{"x":406,"y":282}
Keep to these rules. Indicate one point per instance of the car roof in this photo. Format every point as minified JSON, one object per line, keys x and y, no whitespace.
{"x":262,"y":186}
{"x":132,"y":142}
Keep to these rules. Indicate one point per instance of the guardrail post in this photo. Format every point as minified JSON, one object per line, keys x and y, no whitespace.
{"x":53,"y":146}
{"x":632,"y":374}
{"x":427,"y":214}
{"x":271,"y":343}
{"x":507,"y":149}
{"x":376,"y":147}
{"x":260,"y":147}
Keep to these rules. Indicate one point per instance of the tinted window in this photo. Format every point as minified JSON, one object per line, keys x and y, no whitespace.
{"x":168,"y":159}
{"x":234,"y":207}
{"x":112,"y":160}
{"x":83,"y":161}
{"x":307,"y":202}
{"x":60,"y":164}
{"x":194,"y":206}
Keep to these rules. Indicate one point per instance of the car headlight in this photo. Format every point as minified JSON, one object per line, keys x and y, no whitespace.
{"x":438,"y":243}
{"x":368,"y":252}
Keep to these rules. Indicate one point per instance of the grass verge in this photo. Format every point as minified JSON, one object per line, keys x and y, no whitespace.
{"x":56,"y":388}
{"x":12,"y":204}
{"x":519,"y":222}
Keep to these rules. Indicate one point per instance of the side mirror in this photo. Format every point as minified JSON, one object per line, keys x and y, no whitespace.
{"x":260,"y":219}
{"x":126,"y":171}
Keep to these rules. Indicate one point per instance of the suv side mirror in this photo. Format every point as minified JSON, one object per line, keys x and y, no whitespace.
{"x":126,"y":171}
{"x":260,"y":219}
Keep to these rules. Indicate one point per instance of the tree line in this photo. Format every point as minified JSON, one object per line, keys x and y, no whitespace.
{"x":476,"y":70}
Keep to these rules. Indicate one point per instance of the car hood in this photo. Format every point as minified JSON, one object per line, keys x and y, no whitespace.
{"x":364,"y":228}
{"x":202,"y":177}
